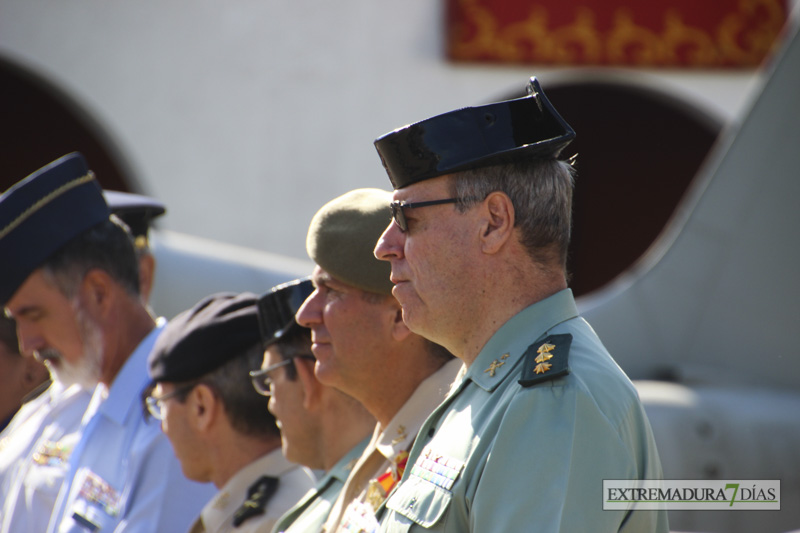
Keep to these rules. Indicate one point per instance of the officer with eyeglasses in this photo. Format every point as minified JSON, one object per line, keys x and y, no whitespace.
{"x":321,"y":427}
{"x":219,"y":427}
{"x":542,"y":414}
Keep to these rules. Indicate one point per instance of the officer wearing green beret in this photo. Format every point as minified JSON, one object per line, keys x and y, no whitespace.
{"x":478,"y":248}
{"x":363,"y":348}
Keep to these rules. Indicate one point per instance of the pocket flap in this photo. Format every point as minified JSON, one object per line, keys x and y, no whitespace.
{"x":420,"y":501}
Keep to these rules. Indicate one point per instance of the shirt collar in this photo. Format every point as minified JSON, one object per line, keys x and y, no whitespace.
{"x":505,"y":349}
{"x":341,"y":470}
{"x":122,"y":398}
{"x":401,"y":431}
{"x":218,"y":512}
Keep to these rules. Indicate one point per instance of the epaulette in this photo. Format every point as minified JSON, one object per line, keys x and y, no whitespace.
{"x":258,"y":496}
{"x":546,"y":360}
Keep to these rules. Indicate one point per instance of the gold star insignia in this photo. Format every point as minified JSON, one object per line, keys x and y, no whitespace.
{"x":542,"y":357}
{"x":493,"y":367}
{"x":541,"y":368}
{"x":505,"y":356}
{"x":401,"y":434}
{"x":546,"y":347}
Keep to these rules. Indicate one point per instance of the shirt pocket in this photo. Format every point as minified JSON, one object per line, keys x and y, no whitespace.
{"x":420,"y":501}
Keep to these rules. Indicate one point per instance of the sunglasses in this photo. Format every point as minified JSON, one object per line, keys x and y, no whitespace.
{"x":399,"y":215}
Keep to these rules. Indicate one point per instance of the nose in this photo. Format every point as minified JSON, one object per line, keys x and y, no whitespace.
{"x":310,"y":312}
{"x":390,"y":244}
{"x":29,"y":339}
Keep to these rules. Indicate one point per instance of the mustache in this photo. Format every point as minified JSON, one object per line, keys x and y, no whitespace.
{"x":48,"y":354}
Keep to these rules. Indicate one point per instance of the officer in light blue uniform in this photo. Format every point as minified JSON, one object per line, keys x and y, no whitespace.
{"x":32,"y":449}
{"x":542,"y":414}
{"x":71,"y":282}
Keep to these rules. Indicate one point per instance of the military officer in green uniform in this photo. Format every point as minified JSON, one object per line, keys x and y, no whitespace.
{"x":322,"y":428}
{"x":542,"y":414}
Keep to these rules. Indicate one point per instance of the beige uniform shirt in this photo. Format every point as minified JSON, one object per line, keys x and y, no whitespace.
{"x":294,"y":482}
{"x":382,"y":462}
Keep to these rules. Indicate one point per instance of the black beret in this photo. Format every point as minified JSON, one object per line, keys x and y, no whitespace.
{"x":277,"y":307}
{"x":218,"y":328}
{"x":136,"y":210}
{"x":474,"y":137}
{"x":42,"y":213}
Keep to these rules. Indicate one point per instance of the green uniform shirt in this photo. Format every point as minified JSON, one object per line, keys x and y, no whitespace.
{"x":310,"y":513}
{"x":502,"y":457}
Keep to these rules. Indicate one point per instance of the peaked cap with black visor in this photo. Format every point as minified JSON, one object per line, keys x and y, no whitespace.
{"x":277,"y":307}
{"x":42,"y":213}
{"x":474,"y":137}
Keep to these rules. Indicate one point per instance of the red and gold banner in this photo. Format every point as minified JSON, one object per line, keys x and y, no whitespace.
{"x":646,"y":33}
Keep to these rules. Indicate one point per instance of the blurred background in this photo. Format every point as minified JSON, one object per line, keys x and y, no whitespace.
{"x":244,"y":117}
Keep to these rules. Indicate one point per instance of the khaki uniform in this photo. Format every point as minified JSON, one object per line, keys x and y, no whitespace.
{"x":218,"y":514}
{"x":385,"y":457}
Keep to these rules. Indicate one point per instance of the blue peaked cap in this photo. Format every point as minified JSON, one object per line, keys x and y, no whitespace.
{"x":42,"y":213}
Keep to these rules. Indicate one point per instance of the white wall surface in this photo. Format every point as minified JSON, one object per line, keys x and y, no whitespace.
{"x":244,"y":117}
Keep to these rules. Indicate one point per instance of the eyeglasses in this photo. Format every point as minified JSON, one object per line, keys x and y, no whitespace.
{"x":261,"y":379}
{"x":399,"y":215}
{"x":155,"y":404}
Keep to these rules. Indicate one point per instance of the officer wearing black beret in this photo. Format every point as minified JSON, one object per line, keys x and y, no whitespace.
{"x":478,"y":247}
{"x":218,"y":425}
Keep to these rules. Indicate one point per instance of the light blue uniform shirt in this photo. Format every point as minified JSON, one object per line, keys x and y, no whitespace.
{"x":39,"y":442}
{"x":500,"y":457}
{"x":123,"y":475}
{"x":312,"y":510}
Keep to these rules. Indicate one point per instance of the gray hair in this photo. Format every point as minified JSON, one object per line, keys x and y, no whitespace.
{"x":541,"y":193}
{"x":107,"y":246}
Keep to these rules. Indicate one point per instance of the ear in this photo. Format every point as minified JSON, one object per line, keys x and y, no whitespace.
{"x":312,"y":389}
{"x":203,"y":408}
{"x":400,"y":331}
{"x":499,"y":222}
{"x":96,"y":292}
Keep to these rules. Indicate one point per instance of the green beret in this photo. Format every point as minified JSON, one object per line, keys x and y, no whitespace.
{"x":343,"y":235}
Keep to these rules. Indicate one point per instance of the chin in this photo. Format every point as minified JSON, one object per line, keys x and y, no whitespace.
{"x":324,"y":373}
{"x":411,"y":318}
